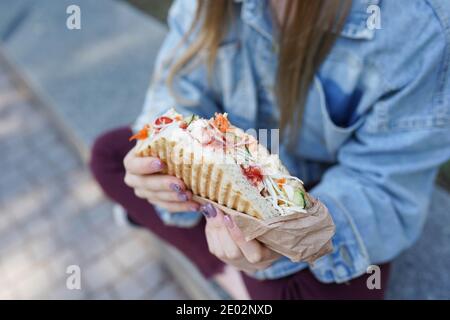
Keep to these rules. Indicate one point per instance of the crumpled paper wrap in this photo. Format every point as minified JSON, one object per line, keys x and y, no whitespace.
{"x":299,"y":236}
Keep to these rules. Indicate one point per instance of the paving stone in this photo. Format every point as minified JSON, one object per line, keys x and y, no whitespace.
{"x":27,"y":205}
{"x":92,"y":247}
{"x":44,"y":247}
{"x":113,"y":233}
{"x":131,"y":252}
{"x":62,"y":209}
{"x":100,"y":214}
{"x":151,"y":274}
{"x":34,"y":283}
{"x":71,"y":227}
{"x":167,"y":291}
{"x":62,"y":293}
{"x":10,"y":239}
{"x":87,"y":192}
{"x":6,"y":220}
{"x":59,"y":262}
{"x":106,"y":294}
{"x":15,"y":263}
{"x":13,"y":189}
{"x":6,"y":293}
{"x":101,"y":273}
{"x":130,"y":287}
{"x":37,"y":225}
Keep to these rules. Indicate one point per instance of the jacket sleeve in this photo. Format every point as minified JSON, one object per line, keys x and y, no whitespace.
{"x":379,"y":192}
{"x":192,"y":88}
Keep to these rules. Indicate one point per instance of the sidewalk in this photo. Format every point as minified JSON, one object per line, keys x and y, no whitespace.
{"x":53,"y":215}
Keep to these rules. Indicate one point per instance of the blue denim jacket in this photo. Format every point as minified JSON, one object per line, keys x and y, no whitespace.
{"x":376,"y":124}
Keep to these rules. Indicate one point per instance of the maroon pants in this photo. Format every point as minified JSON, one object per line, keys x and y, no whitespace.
{"x":107,"y":166}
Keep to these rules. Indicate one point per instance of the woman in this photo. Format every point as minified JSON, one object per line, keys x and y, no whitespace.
{"x":365,"y":121}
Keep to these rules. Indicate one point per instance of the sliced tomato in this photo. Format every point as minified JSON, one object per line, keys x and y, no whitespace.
{"x":253,"y":174}
{"x":163,"y":120}
{"x":183,"y":125}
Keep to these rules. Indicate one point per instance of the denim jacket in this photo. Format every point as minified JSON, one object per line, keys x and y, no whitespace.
{"x":376,"y":124}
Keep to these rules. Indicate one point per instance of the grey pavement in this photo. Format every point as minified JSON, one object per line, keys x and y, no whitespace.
{"x":83,"y":72}
{"x":53,"y":215}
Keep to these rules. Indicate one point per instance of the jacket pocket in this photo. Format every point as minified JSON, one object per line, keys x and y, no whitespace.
{"x":318,"y":128}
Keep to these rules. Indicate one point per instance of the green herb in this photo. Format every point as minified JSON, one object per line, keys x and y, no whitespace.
{"x":246,"y":149}
{"x":190,"y":118}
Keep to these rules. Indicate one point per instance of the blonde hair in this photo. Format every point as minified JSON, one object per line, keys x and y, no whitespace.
{"x":307,"y":33}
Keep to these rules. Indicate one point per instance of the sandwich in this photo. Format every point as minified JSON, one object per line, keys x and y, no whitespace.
{"x":222,"y":163}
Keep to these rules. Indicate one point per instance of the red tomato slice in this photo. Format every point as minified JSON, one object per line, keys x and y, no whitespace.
{"x":253,"y":174}
{"x":163,"y":120}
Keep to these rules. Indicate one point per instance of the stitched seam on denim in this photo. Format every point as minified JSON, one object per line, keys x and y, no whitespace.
{"x":353,"y":227}
{"x":445,"y":23}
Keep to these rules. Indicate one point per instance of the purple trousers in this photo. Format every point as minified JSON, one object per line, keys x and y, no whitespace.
{"x":107,"y":167}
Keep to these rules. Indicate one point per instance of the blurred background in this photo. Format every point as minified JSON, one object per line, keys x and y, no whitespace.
{"x":59,"y":89}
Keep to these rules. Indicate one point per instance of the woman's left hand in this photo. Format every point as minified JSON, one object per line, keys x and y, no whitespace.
{"x":226,"y":242}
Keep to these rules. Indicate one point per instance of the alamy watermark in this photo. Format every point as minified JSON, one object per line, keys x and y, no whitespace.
{"x":374,"y":20}
{"x":73,"y":21}
{"x":374,"y":280}
{"x":73,"y":281}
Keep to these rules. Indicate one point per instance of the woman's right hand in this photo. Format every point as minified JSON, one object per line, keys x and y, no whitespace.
{"x":168,"y":192}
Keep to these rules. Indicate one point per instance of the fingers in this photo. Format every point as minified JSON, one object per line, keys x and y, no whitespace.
{"x":214,"y":243}
{"x":155,"y":182}
{"x":142,"y":165}
{"x":252,"y":250}
{"x":219,"y":241}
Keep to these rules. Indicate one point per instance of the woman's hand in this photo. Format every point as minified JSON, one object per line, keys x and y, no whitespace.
{"x":227,"y":242}
{"x":168,"y":192}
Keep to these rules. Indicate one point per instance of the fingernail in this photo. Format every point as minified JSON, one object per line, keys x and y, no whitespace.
{"x":208,"y":210}
{"x":175,"y":187}
{"x":228,"y":222}
{"x":182,"y":197}
{"x":157,"y":164}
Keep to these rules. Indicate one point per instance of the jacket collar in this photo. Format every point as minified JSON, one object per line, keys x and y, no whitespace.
{"x":257,"y":15}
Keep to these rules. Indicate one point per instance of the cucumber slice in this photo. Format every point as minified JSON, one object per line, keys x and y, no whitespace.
{"x":299,"y":198}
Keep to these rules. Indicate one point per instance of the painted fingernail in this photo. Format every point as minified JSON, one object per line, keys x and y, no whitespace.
{"x":208,"y":210}
{"x":182,"y":197}
{"x":175,"y":187}
{"x":157,"y":164}
{"x":228,"y":222}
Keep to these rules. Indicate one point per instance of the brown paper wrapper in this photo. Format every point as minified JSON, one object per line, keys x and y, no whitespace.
{"x":299,"y":236}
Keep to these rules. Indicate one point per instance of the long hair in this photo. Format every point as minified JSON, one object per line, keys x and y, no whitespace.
{"x":308,"y":30}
